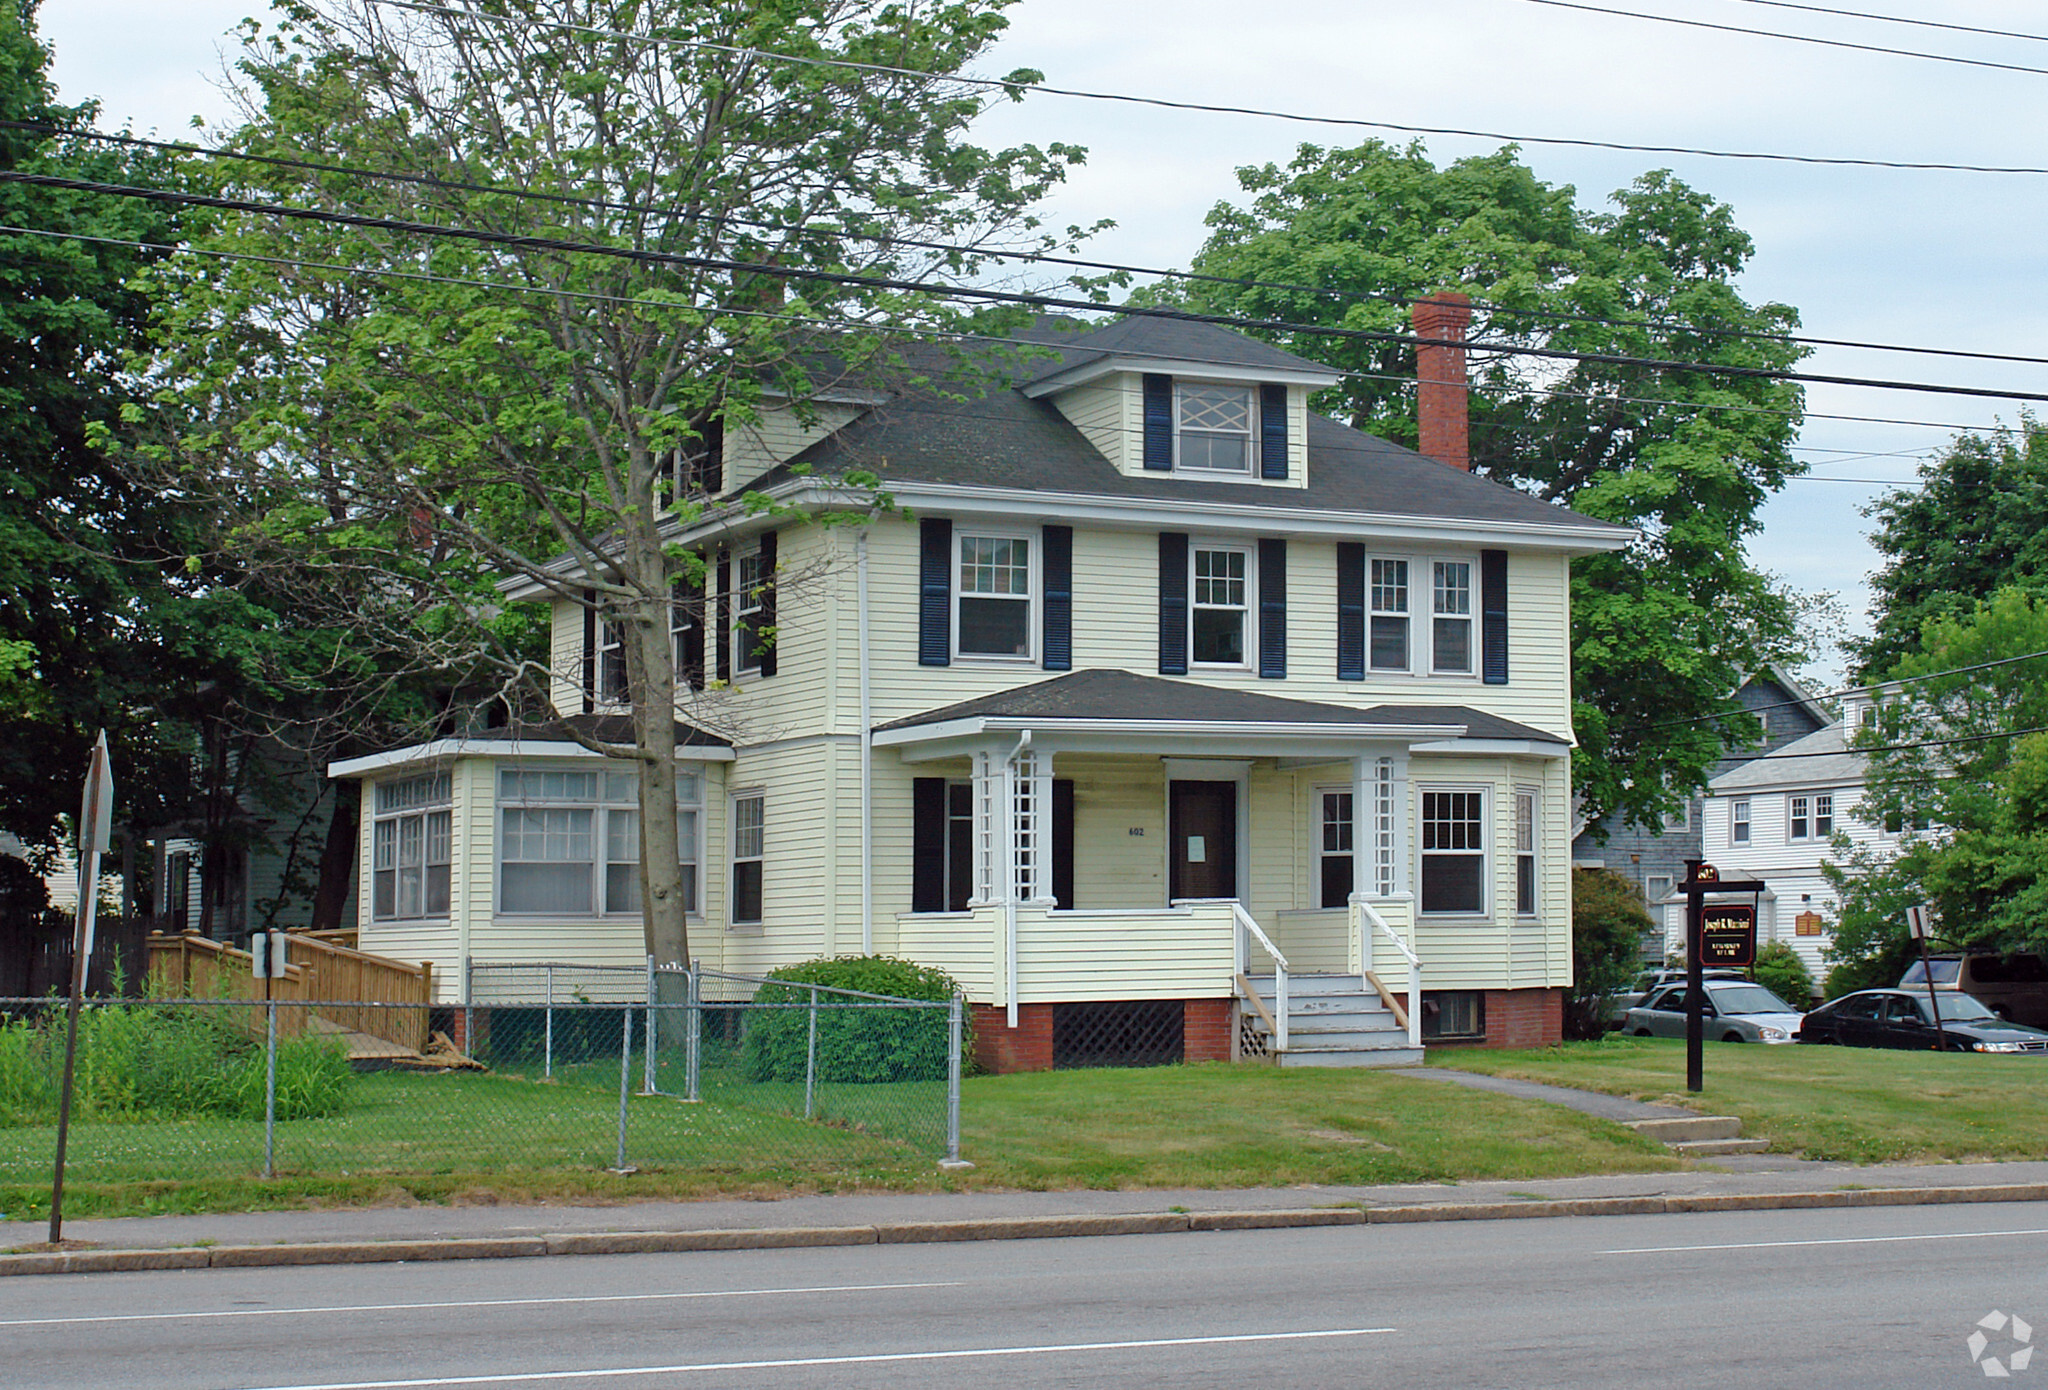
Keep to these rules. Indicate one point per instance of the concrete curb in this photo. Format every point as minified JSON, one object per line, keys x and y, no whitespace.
{"x":995,"y":1228}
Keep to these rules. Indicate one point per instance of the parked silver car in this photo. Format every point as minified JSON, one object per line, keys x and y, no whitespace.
{"x":1735,"y":1011}
{"x":1646,"y":982}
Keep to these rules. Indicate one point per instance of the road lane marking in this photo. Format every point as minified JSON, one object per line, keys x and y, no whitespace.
{"x":879,"y":1358}
{"x":464,"y":1303}
{"x":1838,"y":1240}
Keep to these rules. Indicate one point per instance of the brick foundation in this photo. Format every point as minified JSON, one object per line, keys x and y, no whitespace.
{"x":1517,"y":1018}
{"x":999,"y":1048}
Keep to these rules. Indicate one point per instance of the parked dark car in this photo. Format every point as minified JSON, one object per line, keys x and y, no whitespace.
{"x":1901,"y":1018}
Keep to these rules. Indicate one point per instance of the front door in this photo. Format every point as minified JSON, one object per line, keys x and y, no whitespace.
{"x":1202,"y":829}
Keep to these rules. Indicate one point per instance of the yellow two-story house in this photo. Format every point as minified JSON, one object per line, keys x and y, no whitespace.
{"x":1172,"y":719}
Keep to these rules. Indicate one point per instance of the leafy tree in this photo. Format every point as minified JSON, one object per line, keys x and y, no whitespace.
{"x":1608,"y":923}
{"x":402,"y":418}
{"x":1958,"y":763}
{"x":1665,"y":630}
{"x":1978,"y":522}
{"x":1780,"y":970}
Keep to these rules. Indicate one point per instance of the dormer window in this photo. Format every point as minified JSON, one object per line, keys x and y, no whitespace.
{"x":1213,"y":427}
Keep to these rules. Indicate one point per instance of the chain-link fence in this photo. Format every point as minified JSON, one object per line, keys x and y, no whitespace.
{"x":742,"y":1078}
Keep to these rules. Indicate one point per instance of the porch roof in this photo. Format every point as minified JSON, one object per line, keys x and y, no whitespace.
{"x":547,"y":738}
{"x":1123,"y":701}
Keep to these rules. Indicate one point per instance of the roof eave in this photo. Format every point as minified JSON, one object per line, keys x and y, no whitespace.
{"x":1080,"y":374}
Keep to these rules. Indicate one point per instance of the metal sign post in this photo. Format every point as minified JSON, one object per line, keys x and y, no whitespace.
{"x":1919,"y":922}
{"x":95,"y":827}
{"x":1702,"y":878}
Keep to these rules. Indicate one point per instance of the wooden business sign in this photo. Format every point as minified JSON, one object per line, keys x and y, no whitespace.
{"x":1728,"y":934}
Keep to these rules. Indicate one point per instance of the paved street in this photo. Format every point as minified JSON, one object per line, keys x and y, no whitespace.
{"x":1869,"y":1298}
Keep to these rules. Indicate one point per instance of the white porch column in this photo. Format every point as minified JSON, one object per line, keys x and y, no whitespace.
{"x":1379,"y":839}
{"x":1031,"y":819}
{"x":991,"y":802}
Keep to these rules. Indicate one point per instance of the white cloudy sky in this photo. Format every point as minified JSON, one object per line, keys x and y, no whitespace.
{"x":1949,"y":260}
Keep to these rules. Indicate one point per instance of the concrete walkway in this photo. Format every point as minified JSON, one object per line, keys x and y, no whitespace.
{"x":1618,"y":1108}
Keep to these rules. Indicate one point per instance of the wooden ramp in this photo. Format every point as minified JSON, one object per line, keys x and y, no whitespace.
{"x":368,"y":1053}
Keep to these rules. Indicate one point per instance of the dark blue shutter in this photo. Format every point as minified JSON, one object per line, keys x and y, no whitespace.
{"x":1273,"y":609}
{"x":928,"y":844}
{"x":1350,"y":611}
{"x":1173,"y":603}
{"x":1158,"y":421}
{"x":1273,"y":432}
{"x":767,"y":602}
{"x":1493,"y":616}
{"x":589,"y":650}
{"x":1059,"y":598}
{"x":688,"y":597}
{"x":724,"y":618}
{"x":935,"y":592}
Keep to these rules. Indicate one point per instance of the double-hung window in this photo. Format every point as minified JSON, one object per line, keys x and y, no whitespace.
{"x":749,"y":845}
{"x":1738,"y":823}
{"x":1215,"y":425}
{"x":1525,"y":852}
{"x":569,"y":841}
{"x":749,"y":611}
{"x":1798,"y":818}
{"x":1454,"y":851}
{"x":1450,"y":651}
{"x":1221,"y":609}
{"x":1810,"y":816}
{"x":1387,"y":590}
{"x":410,"y":840}
{"x":992,"y":607}
{"x":611,"y":663}
{"x":1334,"y":830}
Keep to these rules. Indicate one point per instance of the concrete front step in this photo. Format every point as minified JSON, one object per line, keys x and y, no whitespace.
{"x":1689,"y":1128}
{"x":1350,"y":1057}
{"x":1707,"y":1148}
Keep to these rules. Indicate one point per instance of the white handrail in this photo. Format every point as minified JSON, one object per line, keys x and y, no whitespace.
{"x":1414,"y":971}
{"x":1246,"y":923}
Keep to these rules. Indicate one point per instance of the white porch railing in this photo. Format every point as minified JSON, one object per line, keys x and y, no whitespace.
{"x":1379,"y":924}
{"x":1247,"y":929}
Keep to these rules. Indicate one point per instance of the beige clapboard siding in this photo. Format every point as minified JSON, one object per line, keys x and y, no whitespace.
{"x":565,"y":655}
{"x":1314,"y":942}
{"x":966,"y":945}
{"x":796,"y":818}
{"x":1100,"y":410}
{"x":779,"y":434}
{"x":1169,"y":954}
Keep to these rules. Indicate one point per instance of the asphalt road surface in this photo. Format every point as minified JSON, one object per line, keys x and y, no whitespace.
{"x":1875,"y":1299}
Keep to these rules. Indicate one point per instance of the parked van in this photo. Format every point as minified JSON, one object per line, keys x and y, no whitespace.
{"x":2014,"y":987}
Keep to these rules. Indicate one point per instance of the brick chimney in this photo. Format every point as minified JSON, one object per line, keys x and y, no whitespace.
{"x":1440,"y":379}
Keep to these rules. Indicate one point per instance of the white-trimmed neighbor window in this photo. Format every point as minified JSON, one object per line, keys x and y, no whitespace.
{"x":1738,"y":823}
{"x":611,"y":663}
{"x":1387,"y":593}
{"x":1525,"y":851}
{"x":569,"y":841}
{"x":1450,"y":648}
{"x":1219,"y":615}
{"x":1656,"y":888}
{"x":749,"y":608}
{"x":1810,"y":816}
{"x":749,"y":845}
{"x":992,"y":603}
{"x":1336,"y":824}
{"x":1214,"y":425}
{"x":410,"y":843}
{"x":1454,"y":851}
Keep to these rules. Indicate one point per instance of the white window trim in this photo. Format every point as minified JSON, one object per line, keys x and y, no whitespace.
{"x":1485,"y":852}
{"x":1250,"y":636}
{"x":611,"y":646}
{"x":1739,"y":814}
{"x":746,"y":659}
{"x":734,"y":859}
{"x":1034,"y":566}
{"x":600,"y":828}
{"x":1406,"y":614}
{"x":1534,"y":853}
{"x":440,"y":802}
{"x":1317,"y":822}
{"x":1813,"y":815}
{"x":1422,"y":615}
{"x":1252,"y":436}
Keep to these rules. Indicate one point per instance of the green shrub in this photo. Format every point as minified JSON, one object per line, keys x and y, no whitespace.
{"x":1779,"y":970}
{"x":859,"y":1045}
{"x":1608,"y":922}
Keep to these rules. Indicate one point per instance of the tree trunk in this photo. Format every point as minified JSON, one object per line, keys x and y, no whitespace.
{"x":651,"y":677}
{"x":338,"y":857}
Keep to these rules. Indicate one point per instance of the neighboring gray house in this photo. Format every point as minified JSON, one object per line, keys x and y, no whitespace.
{"x":1655,"y":860}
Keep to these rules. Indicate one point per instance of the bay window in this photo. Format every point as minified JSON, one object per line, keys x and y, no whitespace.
{"x":410,"y":843}
{"x":569,"y":841}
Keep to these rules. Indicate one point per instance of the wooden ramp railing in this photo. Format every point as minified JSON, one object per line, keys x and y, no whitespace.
{"x":334,"y":978}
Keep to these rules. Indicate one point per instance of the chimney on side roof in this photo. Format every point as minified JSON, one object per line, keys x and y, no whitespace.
{"x":1440,"y":416}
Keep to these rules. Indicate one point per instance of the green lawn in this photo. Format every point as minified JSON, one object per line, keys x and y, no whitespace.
{"x":1864,"y":1105}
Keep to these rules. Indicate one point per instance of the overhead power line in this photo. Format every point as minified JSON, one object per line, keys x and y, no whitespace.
{"x":1770,"y":34}
{"x":1041,"y":89}
{"x":1900,"y":19}
{"x":991,"y":252}
{"x":937,"y":334}
{"x":525,"y":242}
